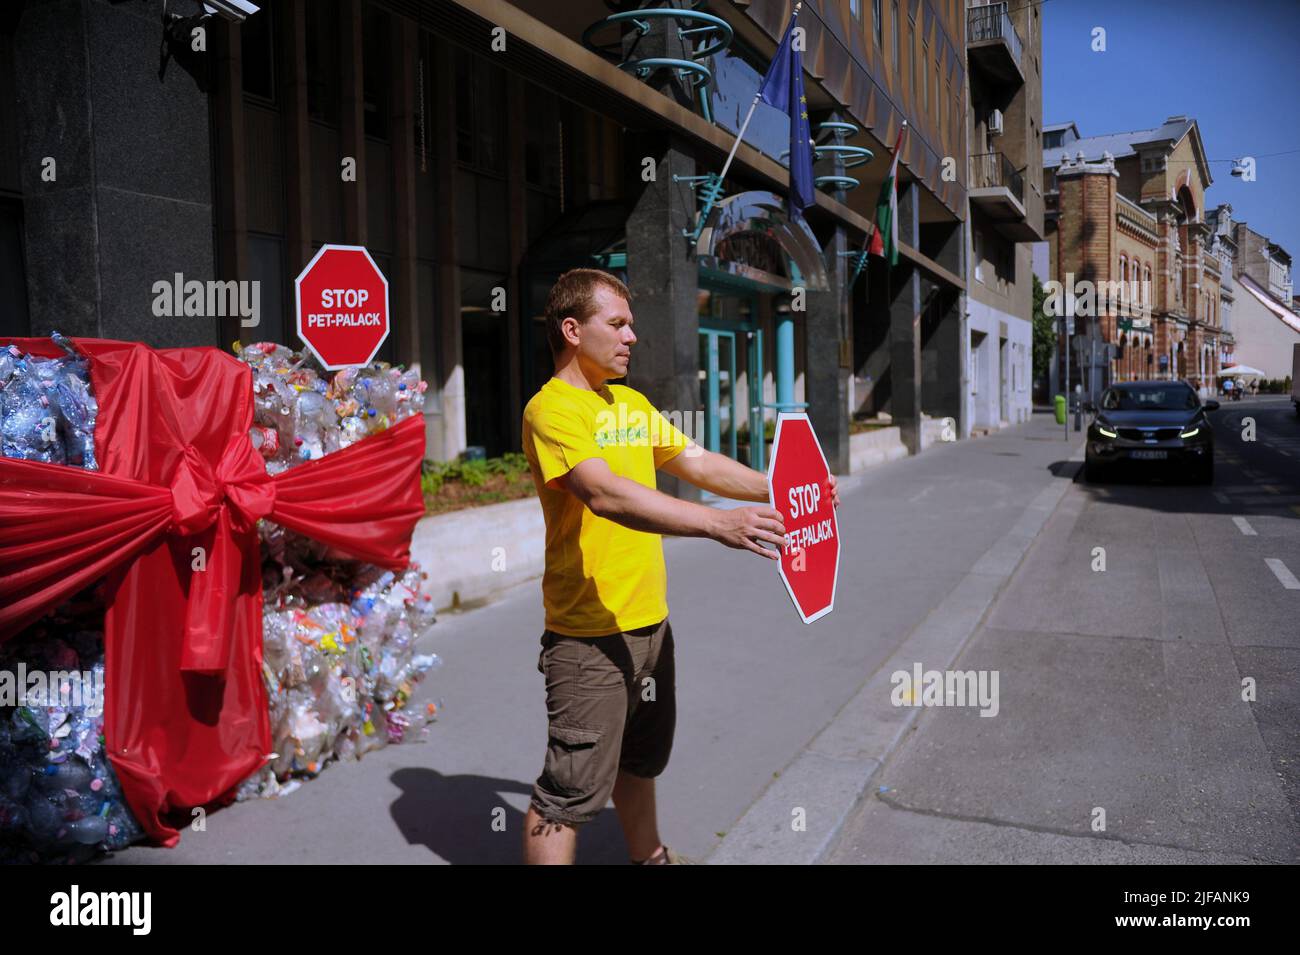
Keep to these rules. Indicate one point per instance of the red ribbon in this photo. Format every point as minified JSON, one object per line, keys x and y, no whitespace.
{"x":170,"y":524}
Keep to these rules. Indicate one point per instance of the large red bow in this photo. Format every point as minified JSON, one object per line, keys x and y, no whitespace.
{"x":170,"y":522}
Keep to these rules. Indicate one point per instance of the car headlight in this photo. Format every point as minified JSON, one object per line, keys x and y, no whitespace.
{"x":1190,"y":434}
{"x":1103,"y":430}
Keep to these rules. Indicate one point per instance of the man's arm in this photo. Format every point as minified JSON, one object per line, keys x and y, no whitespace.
{"x":718,"y":473}
{"x":726,"y":477}
{"x":641,"y":508}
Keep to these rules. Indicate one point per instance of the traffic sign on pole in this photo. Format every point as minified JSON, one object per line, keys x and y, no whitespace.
{"x":341,"y":301}
{"x":799,"y":488}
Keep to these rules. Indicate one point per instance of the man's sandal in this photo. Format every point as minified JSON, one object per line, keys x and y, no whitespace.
{"x":666,"y":857}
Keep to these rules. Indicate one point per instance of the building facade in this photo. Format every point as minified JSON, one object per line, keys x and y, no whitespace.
{"x":1125,"y":213}
{"x":1267,"y":330}
{"x":1004,"y":49}
{"x":1264,"y":261}
{"x":478,"y":148}
{"x":1223,"y":246}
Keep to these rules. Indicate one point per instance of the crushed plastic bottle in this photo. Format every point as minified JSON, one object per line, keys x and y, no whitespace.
{"x":59,"y":796}
{"x":47,"y":409}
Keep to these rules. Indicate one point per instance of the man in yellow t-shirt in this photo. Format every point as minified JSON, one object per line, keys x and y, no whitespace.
{"x":607,"y":650}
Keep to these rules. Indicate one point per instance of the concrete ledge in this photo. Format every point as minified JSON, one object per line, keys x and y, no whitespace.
{"x":869,"y":448}
{"x":471,"y":554}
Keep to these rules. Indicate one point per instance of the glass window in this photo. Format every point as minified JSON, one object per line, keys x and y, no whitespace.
{"x":925,"y":77}
{"x":877,"y":26}
{"x":323,"y":61}
{"x":266,"y":266}
{"x":480,"y":113}
{"x":911,"y":56}
{"x":377,"y":57}
{"x":464,"y":107}
{"x":1170,"y":397}
{"x":13,"y":276}
{"x":257,"y":58}
{"x":897,"y":67}
{"x":541,"y":139}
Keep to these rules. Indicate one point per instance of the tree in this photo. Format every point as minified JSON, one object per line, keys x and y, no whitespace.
{"x":1044,"y":334}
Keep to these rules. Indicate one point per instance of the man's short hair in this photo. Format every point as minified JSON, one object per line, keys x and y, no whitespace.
{"x":574,"y":294}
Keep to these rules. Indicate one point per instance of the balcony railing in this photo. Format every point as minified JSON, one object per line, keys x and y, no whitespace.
{"x":991,"y":22}
{"x":995,"y":169}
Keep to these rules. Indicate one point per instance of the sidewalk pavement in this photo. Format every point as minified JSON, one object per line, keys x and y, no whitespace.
{"x":772,"y":713}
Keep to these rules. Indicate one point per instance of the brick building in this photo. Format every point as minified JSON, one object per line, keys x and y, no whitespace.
{"x":1128,"y":208}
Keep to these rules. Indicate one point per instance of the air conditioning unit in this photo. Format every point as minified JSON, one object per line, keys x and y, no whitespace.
{"x":995,"y":123}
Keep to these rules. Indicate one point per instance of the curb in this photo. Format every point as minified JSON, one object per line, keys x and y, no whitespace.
{"x":835,"y":769}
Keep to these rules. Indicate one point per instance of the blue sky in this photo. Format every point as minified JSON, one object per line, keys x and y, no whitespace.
{"x":1232,"y":65}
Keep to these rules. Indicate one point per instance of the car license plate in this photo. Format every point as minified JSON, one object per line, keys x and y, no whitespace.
{"x":1149,"y":455}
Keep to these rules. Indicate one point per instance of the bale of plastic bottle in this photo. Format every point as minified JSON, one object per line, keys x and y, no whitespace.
{"x":301,"y":413}
{"x":60,"y":800}
{"x":47,"y":410}
{"x":339,"y":660}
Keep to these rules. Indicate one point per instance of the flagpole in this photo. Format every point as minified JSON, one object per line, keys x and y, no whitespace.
{"x":739,"y":136}
{"x":750,"y":115}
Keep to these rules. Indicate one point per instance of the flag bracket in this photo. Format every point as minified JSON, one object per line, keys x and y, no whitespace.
{"x":858,"y":260}
{"x":710,"y":193}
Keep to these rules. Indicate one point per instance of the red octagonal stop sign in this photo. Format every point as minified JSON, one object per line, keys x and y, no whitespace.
{"x":342,"y":305}
{"x":799,"y":487}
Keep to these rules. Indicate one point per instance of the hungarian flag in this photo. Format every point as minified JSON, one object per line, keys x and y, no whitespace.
{"x":884,"y":240}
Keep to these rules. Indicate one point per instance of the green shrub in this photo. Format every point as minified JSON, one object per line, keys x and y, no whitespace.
{"x":511,"y":465}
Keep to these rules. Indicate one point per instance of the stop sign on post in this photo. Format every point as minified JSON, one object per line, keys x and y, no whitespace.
{"x":342,"y":305}
{"x":799,"y":487}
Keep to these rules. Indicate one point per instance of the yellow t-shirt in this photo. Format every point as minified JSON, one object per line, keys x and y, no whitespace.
{"x":601,"y":577}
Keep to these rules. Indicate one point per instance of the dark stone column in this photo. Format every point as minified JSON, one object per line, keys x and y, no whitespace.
{"x":942,"y":328}
{"x":871,"y":339}
{"x":904,"y":305}
{"x":663,"y":277}
{"x":827,"y":382}
{"x":131,"y":201}
{"x":941,"y":355}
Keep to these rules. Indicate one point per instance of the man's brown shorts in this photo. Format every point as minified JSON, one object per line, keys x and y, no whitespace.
{"x":611,"y":704}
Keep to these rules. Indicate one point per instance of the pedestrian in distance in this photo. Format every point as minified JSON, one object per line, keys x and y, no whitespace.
{"x":607,"y":649}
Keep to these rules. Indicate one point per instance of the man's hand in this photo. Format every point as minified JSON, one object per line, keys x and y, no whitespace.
{"x":835,"y":494}
{"x":743,"y":528}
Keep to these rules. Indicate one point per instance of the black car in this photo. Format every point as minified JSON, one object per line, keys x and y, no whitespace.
{"x":1140,"y":423}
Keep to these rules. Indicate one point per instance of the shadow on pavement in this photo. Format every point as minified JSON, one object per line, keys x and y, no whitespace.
{"x":452,"y":816}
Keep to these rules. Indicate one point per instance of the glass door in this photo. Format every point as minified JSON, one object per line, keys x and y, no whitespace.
{"x":757,"y":456}
{"x":717,"y":375}
{"x":731,"y":373}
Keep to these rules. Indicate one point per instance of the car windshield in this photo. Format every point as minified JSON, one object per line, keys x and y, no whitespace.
{"x":1149,"y":398}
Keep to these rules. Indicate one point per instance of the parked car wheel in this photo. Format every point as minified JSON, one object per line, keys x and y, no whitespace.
{"x":1092,"y":472}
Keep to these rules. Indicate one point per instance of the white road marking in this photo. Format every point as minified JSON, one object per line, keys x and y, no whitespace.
{"x":1281,"y":572}
{"x":1243,"y":525}
{"x":1221,"y":497}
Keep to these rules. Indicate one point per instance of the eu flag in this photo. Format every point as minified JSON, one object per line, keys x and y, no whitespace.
{"x":783,"y":89}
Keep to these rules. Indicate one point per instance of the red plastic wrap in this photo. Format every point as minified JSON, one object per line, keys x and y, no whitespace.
{"x":185,"y":712}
